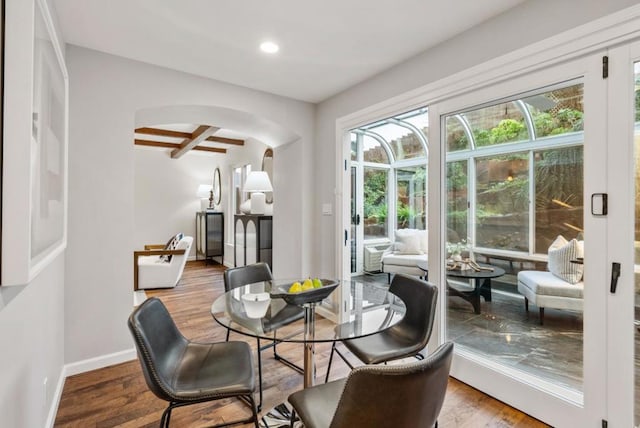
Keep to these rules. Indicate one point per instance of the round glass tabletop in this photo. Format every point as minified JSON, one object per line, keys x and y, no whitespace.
{"x":253,"y":310}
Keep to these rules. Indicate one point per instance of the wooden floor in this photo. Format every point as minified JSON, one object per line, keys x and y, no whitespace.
{"x":118,"y":395}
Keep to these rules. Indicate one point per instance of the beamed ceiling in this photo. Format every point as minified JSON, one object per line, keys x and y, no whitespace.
{"x":182,"y":138}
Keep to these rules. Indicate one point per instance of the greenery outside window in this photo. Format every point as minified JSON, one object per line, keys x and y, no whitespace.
{"x":515,"y":171}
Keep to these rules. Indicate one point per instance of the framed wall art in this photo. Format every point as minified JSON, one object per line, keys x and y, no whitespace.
{"x":48,"y":169}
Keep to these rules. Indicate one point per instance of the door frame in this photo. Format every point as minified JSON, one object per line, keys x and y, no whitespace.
{"x":621,"y":232}
{"x":543,"y":399}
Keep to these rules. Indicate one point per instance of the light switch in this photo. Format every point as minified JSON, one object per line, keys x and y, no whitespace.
{"x":327,"y":209}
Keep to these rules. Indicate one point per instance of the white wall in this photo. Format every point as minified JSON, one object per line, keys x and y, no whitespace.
{"x":32,"y":324}
{"x":105,"y":94}
{"x":525,"y":24}
{"x":32,"y":336}
{"x":165,"y":199}
{"x":165,"y":191}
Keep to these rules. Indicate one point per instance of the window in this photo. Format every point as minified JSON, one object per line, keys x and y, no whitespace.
{"x":515,"y":172}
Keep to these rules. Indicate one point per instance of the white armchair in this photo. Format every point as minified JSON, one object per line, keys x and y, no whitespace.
{"x":409,"y":248}
{"x":161,"y":266}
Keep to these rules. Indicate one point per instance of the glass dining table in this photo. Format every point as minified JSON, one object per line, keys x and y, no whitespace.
{"x":369,"y":308}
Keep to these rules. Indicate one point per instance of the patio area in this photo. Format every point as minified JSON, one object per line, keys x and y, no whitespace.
{"x":504,"y":333}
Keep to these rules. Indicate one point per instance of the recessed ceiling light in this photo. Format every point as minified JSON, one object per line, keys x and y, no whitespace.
{"x":269,"y":47}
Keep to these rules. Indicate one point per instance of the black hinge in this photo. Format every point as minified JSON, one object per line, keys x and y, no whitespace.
{"x":345,"y":164}
{"x":605,"y":67}
{"x":604,"y":424}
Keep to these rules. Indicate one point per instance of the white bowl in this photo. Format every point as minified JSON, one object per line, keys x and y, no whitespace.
{"x":256,"y":304}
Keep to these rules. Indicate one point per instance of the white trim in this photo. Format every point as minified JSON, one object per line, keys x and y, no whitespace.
{"x":99,"y":362}
{"x":55,"y":402}
{"x":622,"y":373}
{"x":82,"y":367}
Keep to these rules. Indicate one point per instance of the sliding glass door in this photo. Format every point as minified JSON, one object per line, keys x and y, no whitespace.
{"x":517,"y":161}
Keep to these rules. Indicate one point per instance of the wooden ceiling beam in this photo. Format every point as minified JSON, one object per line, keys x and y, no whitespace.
{"x":162,"y":144}
{"x":177,"y":134}
{"x":224,"y":140}
{"x":201,"y":133}
{"x":163,"y":133}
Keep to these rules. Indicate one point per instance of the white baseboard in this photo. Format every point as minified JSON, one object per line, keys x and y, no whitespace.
{"x":81,"y":367}
{"x":55,"y":402}
{"x":99,"y":362}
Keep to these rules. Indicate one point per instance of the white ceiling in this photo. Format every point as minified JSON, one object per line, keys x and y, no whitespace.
{"x":325,"y":46}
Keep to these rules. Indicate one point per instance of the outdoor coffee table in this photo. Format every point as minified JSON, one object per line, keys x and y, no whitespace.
{"x":481,"y":284}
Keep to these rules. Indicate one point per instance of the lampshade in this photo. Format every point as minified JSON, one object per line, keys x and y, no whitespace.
{"x":258,"y":181}
{"x":203,"y":190}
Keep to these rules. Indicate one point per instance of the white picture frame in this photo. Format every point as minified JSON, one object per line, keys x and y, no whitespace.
{"x":49,"y":145}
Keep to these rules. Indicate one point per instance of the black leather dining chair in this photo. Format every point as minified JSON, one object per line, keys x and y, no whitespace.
{"x":183,"y":372}
{"x":257,"y":272}
{"x":396,"y":396}
{"x":404,"y":339}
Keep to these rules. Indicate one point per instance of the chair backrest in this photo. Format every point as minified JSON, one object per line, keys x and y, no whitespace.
{"x":243,"y":275}
{"x":407,"y":395}
{"x":159,"y":343}
{"x":420,"y":299}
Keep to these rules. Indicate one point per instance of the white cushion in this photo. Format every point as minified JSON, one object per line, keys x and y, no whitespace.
{"x":403,"y":259}
{"x":410,"y":241}
{"x":560,"y":254}
{"x":546,"y":290}
{"x":545,"y":283}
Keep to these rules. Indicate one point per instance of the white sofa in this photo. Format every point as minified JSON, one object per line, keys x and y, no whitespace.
{"x":562,"y":286}
{"x":160,"y":267}
{"x":546,"y":290}
{"x":410,"y":247}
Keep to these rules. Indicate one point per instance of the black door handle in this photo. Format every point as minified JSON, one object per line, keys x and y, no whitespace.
{"x":615,"y":274}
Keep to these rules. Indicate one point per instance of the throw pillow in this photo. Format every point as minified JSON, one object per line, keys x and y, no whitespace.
{"x":561,"y":252}
{"x":171,"y":245}
{"x":407,"y":241}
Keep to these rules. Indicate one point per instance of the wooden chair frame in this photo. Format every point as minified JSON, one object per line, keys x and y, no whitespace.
{"x":150,"y":250}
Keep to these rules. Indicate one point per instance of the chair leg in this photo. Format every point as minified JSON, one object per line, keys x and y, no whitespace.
{"x":526,"y":305}
{"x":541,"y":316}
{"x":337,"y":351}
{"x":166,"y":415}
{"x":254,"y":410}
{"x":326,"y":379}
{"x":259,"y":373}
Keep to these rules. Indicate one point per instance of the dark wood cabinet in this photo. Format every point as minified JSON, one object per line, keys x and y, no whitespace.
{"x":253,"y":239}
{"x":210,"y":235}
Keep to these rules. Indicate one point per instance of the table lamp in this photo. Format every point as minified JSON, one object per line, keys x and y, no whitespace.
{"x":205,"y":193}
{"x":257,"y":183}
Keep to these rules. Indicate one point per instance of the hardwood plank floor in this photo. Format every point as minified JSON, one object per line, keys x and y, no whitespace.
{"x":118,"y":396}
